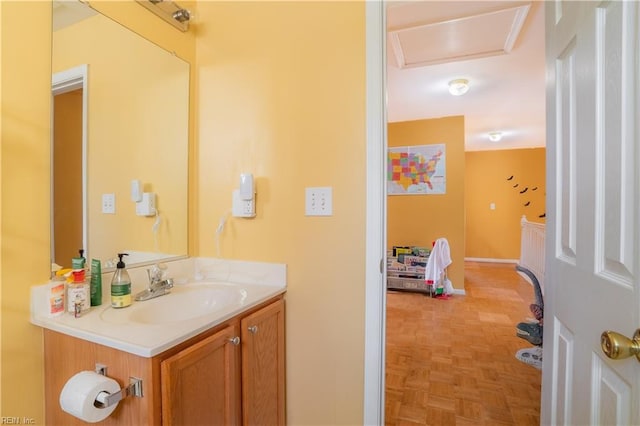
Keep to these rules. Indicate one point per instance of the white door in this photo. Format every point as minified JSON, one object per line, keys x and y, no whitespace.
{"x":593,"y":211}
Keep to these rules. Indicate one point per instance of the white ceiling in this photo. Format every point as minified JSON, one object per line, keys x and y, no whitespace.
{"x":497,"y":45}
{"x":68,"y":12}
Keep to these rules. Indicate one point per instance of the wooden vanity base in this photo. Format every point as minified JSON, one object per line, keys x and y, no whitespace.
{"x":226,"y":393}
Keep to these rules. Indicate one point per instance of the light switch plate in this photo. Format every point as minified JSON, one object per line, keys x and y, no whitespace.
{"x":109,"y":203}
{"x":318,"y":201}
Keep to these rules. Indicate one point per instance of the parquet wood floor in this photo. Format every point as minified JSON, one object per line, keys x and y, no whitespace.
{"x":452,"y":362}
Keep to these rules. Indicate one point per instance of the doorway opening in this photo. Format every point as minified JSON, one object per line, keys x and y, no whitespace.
{"x":68,"y":164}
{"x":487,"y":190}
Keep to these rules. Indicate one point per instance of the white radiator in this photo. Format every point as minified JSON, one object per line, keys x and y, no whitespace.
{"x":532,"y":248}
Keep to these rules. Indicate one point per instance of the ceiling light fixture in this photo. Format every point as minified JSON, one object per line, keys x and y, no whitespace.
{"x":169,"y":11}
{"x":495,"y":136}
{"x":181,"y":15}
{"x":459,"y":86}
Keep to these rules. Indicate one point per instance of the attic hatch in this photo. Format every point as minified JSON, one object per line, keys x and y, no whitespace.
{"x":449,"y":38}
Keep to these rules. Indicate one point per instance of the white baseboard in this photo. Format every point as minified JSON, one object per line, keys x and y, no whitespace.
{"x":459,"y":292}
{"x":489,"y":260}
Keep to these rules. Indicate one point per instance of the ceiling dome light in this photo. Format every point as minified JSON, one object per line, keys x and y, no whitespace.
{"x":495,"y":136}
{"x":459,"y":86}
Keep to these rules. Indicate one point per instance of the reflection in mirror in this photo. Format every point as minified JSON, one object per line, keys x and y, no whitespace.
{"x":68,"y":148}
{"x":134,"y":96}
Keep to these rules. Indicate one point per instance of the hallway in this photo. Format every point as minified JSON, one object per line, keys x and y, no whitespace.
{"x":452,"y":362}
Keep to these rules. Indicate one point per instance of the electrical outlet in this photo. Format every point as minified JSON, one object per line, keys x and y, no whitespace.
{"x":242,"y":208}
{"x":109,"y":203}
{"x":318,"y":201}
{"x":249,"y":208}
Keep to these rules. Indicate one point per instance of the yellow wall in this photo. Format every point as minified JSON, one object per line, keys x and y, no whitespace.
{"x":25,"y":116}
{"x":495,"y":234}
{"x":282,"y":95}
{"x":421,"y":219}
{"x":25,"y":92}
{"x":1,"y":197}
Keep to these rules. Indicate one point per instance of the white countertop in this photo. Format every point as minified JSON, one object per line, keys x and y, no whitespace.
{"x":251,"y":282}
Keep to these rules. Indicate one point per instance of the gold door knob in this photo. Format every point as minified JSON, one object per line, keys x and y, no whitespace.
{"x":618,"y":346}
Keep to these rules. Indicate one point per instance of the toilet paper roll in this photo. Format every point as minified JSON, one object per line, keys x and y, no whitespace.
{"x":79,"y":393}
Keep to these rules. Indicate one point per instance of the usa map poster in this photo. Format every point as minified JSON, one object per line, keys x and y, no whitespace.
{"x":416,"y":169}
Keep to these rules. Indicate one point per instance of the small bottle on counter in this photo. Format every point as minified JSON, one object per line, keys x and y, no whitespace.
{"x":79,"y":262}
{"x":78,"y":297}
{"x":56,"y":297}
{"x":95,"y":287}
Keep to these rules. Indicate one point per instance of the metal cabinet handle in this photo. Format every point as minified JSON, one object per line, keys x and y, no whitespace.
{"x":253,"y":329}
{"x":235,"y":340}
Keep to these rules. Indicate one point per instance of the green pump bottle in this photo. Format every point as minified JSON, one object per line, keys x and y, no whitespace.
{"x":121,"y":285}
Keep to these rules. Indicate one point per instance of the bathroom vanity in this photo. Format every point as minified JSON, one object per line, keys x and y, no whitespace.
{"x":211,"y":352}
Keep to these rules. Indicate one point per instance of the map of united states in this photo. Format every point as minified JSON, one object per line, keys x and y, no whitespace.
{"x":407,"y":169}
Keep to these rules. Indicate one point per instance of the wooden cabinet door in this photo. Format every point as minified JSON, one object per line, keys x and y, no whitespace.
{"x":200,"y":385}
{"x":263,"y":374}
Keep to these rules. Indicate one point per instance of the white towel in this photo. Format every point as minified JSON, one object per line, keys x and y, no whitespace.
{"x":439,"y":259}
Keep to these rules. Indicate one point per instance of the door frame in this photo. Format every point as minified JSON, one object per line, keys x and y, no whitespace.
{"x":63,"y":82}
{"x":376,"y":214}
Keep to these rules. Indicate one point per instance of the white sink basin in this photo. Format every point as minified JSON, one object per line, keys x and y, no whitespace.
{"x":183,"y":303}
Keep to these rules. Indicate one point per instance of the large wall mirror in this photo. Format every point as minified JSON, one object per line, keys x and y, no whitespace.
{"x":121,"y":112}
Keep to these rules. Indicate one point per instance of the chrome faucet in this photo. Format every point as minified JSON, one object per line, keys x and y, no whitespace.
{"x":158,"y":285}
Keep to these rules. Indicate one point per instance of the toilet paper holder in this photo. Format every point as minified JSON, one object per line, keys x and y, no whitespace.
{"x":106,"y":399}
